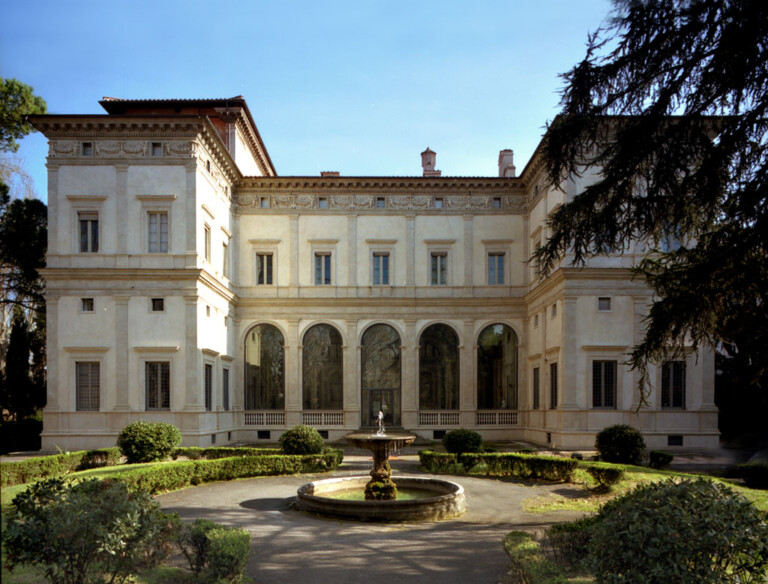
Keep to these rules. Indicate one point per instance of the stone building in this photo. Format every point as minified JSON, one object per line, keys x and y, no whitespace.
{"x":188,"y":283}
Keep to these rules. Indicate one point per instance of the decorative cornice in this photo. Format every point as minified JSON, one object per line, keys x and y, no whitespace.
{"x":386,"y":185}
{"x":101,"y":126}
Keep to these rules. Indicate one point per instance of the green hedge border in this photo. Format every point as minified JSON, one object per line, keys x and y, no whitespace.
{"x":527,"y":466}
{"x":171,"y":476}
{"x":18,"y":472}
{"x":196,"y":453}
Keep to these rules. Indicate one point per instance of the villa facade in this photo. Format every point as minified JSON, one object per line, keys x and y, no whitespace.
{"x":188,"y":283}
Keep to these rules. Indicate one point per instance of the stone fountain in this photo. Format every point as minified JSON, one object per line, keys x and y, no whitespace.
{"x":380,"y":487}
{"x":442,"y":499}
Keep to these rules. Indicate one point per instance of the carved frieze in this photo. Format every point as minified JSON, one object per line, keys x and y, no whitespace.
{"x":121,"y":149}
{"x":394,"y":201}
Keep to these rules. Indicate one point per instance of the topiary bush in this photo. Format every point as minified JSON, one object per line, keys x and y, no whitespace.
{"x":621,"y":444}
{"x":658,"y":459}
{"x":463,"y":440}
{"x":605,"y":474}
{"x":91,"y":531}
{"x":302,"y":440}
{"x":148,"y":441}
{"x":691,"y":531}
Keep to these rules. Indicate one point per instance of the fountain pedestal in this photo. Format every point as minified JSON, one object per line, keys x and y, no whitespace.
{"x":380,"y":487}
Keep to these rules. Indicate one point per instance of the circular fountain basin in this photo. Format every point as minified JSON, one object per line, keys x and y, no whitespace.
{"x":376,"y":441}
{"x":448,"y":500}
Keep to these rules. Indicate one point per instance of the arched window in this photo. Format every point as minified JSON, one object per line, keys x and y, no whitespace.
{"x":264,"y":369}
{"x":497,"y":368}
{"x":439,"y":368}
{"x":322,"y":371}
{"x":381,"y":375}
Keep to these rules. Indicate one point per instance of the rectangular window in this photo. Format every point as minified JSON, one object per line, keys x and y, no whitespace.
{"x":604,"y":304}
{"x":264,"y":202}
{"x":439,"y":203}
{"x":673,"y":385}
{"x":157,"y":148}
{"x":158,"y":385}
{"x":380,"y":269}
{"x":89,"y":232}
{"x":554,"y":310}
{"x":553,"y":386}
{"x":264,"y":268}
{"x":225,"y":389}
{"x":495,"y":268}
{"x":438,"y":269}
{"x":158,"y":304}
{"x":207,"y":242}
{"x":158,"y":232}
{"x":87,"y":386}
{"x":86,"y":304}
{"x":497,"y":202}
{"x":322,"y":203}
{"x":225,"y":260}
{"x":87,"y":148}
{"x":208,"y":387}
{"x":604,"y":384}
{"x":322,"y":269}
{"x":380,"y":202}
{"x":536,"y":403}
{"x":535,"y":321}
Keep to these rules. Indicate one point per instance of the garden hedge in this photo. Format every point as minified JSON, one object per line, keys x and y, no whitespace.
{"x":23,"y":471}
{"x":528,"y":466}
{"x":196,"y":453}
{"x":177,"y":475}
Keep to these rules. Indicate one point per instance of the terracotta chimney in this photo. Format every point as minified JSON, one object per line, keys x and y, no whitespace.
{"x":428,"y":159}
{"x":506,"y":164}
{"x":329,"y":173}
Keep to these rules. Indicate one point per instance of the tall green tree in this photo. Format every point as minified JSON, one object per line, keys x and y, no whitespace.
{"x":670,"y":102}
{"x":17,"y":101}
{"x":21,"y":396}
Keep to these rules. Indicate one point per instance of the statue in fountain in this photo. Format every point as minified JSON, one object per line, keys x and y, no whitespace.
{"x":380,"y":487}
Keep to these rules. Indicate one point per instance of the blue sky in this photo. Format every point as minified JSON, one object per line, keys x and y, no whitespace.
{"x":359,"y":87}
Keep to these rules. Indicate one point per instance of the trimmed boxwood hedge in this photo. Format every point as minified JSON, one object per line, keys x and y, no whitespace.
{"x":196,"y":453}
{"x":18,"y":472}
{"x":176,"y":475}
{"x":605,"y":473}
{"x":528,"y":466}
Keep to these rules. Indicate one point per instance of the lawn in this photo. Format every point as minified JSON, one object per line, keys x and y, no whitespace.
{"x":589,"y":498}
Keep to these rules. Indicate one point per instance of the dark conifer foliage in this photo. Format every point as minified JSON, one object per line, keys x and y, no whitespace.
{"x":671,"y":102}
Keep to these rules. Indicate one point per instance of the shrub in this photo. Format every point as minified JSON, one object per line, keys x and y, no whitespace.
{"x":228,"y":552}
{"x":177,"y":475}
{"x":658,"y":459}
{"x":193,"y":542}
{"x":621,"y":444}
{"x":86,"y":531}
{"x":692,"y":531}
{"x":463,"y":440}
{"x":528,"y":563}
{"x":536,"y":467}
{"x":216,"y":552}
{"x":755,"y":474}
{"x":605,"y":474}
{"x":570,"y":541}
{"x":195,"y":453}
{"x":302,"y":440}
{"x":148,"y":441}
{"x":23,"y":471}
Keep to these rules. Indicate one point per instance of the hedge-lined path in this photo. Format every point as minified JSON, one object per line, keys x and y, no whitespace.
{"x":290,"y":546}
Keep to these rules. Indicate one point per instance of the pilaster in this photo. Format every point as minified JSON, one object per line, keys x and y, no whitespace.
{"x":410,"y":252}
{"x":121,"y":202}
{"x":468,"y":263}
{"x":352,"y":251}
{"x":53,"y":213}
{"x":57,"y":386}
{"x":467,"y":360}
{"x":192,"y":356}
{"x":292,"y":375}
{"x":569,"y":352}
{"x":190,"y":212}
{"x":122,"y":356}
